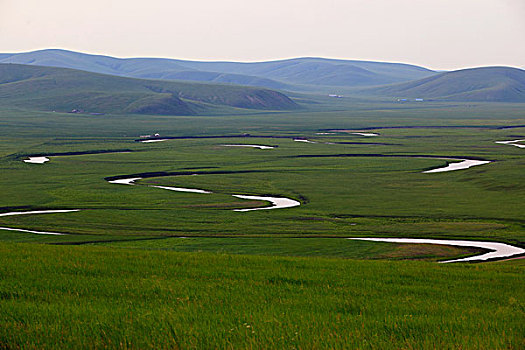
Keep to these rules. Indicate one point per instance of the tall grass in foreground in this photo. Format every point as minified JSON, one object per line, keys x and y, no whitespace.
{"x":96,"y":297}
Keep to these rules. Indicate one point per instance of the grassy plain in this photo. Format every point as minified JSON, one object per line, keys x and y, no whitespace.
{"x":95,"y":297}
{"x":339,"y":195}
{"x":148,"y":288}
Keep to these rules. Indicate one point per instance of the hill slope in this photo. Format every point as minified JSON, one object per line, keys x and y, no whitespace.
{"x":47,"y":88}
{"x":491,"y":84}
{"x":292,"y":74}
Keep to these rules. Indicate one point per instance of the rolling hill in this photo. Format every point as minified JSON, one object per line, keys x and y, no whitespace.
{"x":297,"y":74}
{"x":360,"y":78}
{"x":490,"y":84}
{"x":62,"y":89}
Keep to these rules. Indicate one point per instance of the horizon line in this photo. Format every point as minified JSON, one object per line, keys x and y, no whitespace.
{"x":259,"y":60}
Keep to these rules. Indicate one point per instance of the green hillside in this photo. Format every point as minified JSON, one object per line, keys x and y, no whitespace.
{"x":59,"y":89}
{"x":490,"y":84}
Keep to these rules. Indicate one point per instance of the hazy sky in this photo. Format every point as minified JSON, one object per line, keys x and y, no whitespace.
{"x":439,"y":34}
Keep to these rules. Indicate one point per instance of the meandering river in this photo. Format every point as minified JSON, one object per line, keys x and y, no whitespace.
{"x":36,"y":160}
{"x":514,"y":143}
{"x":497,"y":250}
{"x":464,"y":164}
{"x":276,"y":202}
{"x":32,"y":212}
{"x":252,"y":146}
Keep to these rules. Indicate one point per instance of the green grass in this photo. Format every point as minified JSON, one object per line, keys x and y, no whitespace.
{"x":340,"y":196}
{"x":306,"y":247}
{"x":93,"y":297}
{"x":288,"y":274}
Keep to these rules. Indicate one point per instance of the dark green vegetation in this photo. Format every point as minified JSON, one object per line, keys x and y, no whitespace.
{"x":64,"y":90}
{"x":131,"y":281}
{"x":293,"y":74}
{"x":94,"y":297}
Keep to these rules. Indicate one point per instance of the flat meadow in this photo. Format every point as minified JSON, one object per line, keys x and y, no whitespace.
{"x":141,"y":266}
{"x":96,"y":297}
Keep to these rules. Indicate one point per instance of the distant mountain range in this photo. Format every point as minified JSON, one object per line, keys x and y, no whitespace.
{"x":169,"y":86}
{"x":299,"y":74}
{"x":65,"y":90}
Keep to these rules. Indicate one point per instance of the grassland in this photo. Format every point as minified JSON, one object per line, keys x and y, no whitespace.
{"x":94,"y":297}
{"x":130,"y":281}
{"x":340,"y":195}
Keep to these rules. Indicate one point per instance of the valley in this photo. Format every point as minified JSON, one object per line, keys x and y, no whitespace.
{"x":326,"y":222}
